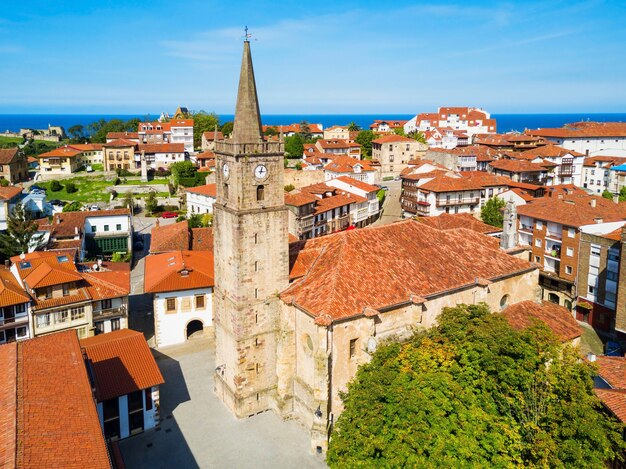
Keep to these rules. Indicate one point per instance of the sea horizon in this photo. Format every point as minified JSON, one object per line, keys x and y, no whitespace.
{"x":506,"y":122}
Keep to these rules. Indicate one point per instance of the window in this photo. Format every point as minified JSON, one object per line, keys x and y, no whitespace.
{"x":568,"y":269}
{"x":353,"y":343}
{"x":569,"y":252}
{"x":568,"y":304}
{"x":21,"y":332}
{"x":43,"y":320}
{"x":115,"y":324}
{"x":256,"y":266}
{"x":20,"y":308}
{"x":93,"y":229}
{"x":595,"y":250}
{"x":538,"y":242}
{"x":148,"y":398}
{"x":170,"y":304}
{"x":260,"y":193}
{"x":504,"y":301}
{"x":111,"y":417}
{"x":571,"y":232}
{"x":118,"y":227}
{"x":99,"y":327}
{"x":256,"y":292}
{"x":66,"y":289}
{"x":591,"y":289}
{"x":256,"y":238}
{"x":199,"y":301}
{"x":610,"y":275}
{"x":539,"y":224}
{"x":78,"y":313}
{"x":106,"y":227}
{"x":61,"y":317}
{"x":48,"y":293}
{"x":105,"y":304}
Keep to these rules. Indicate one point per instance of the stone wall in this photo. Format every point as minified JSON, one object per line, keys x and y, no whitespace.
{"x":303,"y":178}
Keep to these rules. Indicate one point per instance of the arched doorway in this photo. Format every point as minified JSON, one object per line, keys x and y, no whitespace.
{"x":194,"y":329}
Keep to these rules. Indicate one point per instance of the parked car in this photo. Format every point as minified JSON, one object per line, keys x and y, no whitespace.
{"x":385,"y":188}
{"x":94,"y":208}
{"x":57,"y":202}
{"x":35,"y":187}
{"x":89,"y":169}
{"x":169,"y":215}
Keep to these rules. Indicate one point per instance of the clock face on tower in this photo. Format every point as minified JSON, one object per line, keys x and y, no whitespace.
{"x":226,"y":170}
{"x":260,"y":172}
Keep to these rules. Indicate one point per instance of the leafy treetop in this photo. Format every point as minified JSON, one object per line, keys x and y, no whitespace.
{"x":491,"y":213}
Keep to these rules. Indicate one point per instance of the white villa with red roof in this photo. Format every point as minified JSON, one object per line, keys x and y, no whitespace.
{"x":468,"y":119}
{"x":200,"y":199}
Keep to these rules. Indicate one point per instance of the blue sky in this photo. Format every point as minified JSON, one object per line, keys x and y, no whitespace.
{"x":130,"y":56}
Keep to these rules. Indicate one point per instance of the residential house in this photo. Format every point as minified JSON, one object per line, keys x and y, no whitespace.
{"x":160,"y":155}
{"x":339,"y":147}
{"x":598,"y":177}
{"x":339,"y":132}
{"x":610,"y":386}
{"x":179,"y":237}
{"x":119,"y":154}
{"x":448,"y":221}
{"x":468,"y":119}
{"x":321,"y":209}
{"x":49,"y":417}
{"x":557,"y":318}
{"x":360,"y":217}
{"x":14,"y":309}
{"x":491,"y":185}
{"x":62,"y":160}
{"x":91,"y":153}
{"x":569,"y":164}
{"x":588,"y":138}
{"x":316,"y":130}
{"x":387,"y":126}
{"x":523,"y":171}
{"x":200,"y":199}
{"x":108,"y":285}
{"x":552,"y":227}
{"x":342,"y":165}
{"x":208,"y":140}
{"x":9,"y":197}
{"x":126,"y":382}
{"x":455,"y":159}
{"x":511,"y":142}
{"x":182,"y":286}
{"x":13,"y":165}
{"x":172,"y":131}
{"x":206,"y":160}
{"x":132,"y":136}
{"x":394,"y":152}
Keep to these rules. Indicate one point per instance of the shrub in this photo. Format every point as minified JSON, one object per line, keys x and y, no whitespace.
{"x":289,"y":187}
{"x":187,"y":182}
{"x":73,"y":207}
{"x":117,"y":182}
{"x":171,"y":188}
{"x":120,"y":257}
{"x":70,"y":187}
{"x":170,"y":208}
{"x":162,"y":172}
{"x":298,"y":166}
{"x":4,"y":182}
{"x":55,"y":186}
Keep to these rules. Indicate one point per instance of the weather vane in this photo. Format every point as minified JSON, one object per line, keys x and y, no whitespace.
{"x":247,"y":35}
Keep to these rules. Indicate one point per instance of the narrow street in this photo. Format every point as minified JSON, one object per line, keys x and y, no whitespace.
{"x":391,"y":210}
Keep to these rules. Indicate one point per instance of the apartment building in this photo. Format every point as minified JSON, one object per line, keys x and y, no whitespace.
{"x":62,"y":160}
{"x":387,"y":126}
{"x":598,"y":274}
{"x":119,"y":154}
{"x":174,"y":131}
{"x":342,"y":165}
{"x":14,"y":309}
{"x":159,"y":155}
{"x":523,"y":171}
{"x":588,"y":138}
{"x":339,"y":147}
{"x":200,"y":199}
{"x":569,"y":163}
{"x":91,"y":153}
{"x":339,"y":132}
{"x":13,"y":165}
{"x":469,"y":119}
{"x":598,"y":177}
{"x":393,"y":153}
{"x":551,"y":227}
{"x":457,"y":159}
{"x":360,"y":217}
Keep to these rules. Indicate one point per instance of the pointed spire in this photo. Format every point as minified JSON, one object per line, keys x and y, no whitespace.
{"x":247,"y":127}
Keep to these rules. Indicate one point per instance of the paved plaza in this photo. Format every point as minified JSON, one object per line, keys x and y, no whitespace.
{"x":198,"y":431}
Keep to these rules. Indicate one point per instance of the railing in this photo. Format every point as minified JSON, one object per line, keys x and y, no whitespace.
{"x":456,"y":201}
{"x":566,"y":170}
{"x":121,"y":311}
{"x":558,"y":236}
{"x":304,"y":224}
{"x":14,"y":320}
{"x":526,"y":228}
{"x":320,"y":222}
{"x":556,"y":253}
{"x":99,"y":234}
{"x":416,"y":208}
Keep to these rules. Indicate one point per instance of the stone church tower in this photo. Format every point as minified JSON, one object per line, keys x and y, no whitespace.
{"x":251,"y":256}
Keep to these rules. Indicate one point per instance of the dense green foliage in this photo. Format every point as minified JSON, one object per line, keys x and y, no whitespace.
{"x":98,"y":130}
{"x":203,"y":122}
{"x":37,"y":147}
{"x":607,"y":194}
{"x":4,"y":182}
{"x":70,"y":187}
{"x":353,"y":127}
{"x":473,"y":392}
{"x":121,"y":257}
{"x":294,"y":146}
{"x":491,"y":213}
{"x":55,"y":186}
{"x":289,"y":187}
{"x":227,"y":128}
{"x":75,"y":206}
{"x":622,"y":194}
{"x":364,"y":138}
{"x":21,"y":232}
{"x":151,"y":202}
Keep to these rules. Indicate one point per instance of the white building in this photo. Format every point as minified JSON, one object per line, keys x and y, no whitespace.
{"x":365,"y":212}
{"x":14,"y":309}
{"x":200,"y":199}
{"x":182,"y":284}
{"x":161,"y":155}
{"x":9,"y":196}
{"x":126,"y":382}
{"x":182,"y":132}
{"x":468,"y":119}
{"x":361,"y":170}
{"x":174,"y":131}
{"x":588,"y":138}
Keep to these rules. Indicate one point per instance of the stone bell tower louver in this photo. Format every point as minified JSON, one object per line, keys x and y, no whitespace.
{"x":251,"y":256}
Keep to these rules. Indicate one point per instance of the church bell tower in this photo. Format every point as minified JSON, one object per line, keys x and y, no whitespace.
{"x":251,"y":255}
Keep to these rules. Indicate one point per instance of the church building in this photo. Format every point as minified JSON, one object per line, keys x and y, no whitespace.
{"x":294,"y":322}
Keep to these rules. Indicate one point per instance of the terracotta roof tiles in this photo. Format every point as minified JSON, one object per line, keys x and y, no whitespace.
{"x":614,"y":400}
{"x":7,"y":193}
{"x":209,"y":190}
{"x":612,"y":370}
{"x":449,"y":221}
{"x":7,"y":155}
{"x":558,"y":319}
{"x":121,"y":363}
{"x":176,"y":271}
{"x":167,"y":238}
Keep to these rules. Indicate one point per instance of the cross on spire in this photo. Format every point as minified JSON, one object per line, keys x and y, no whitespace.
{"x":247,"y":36}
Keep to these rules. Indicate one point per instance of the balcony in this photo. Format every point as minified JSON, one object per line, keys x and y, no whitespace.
{"x":320,"y":222}
{"x":566,"y":170}
{"x":417,"y":208}
{"x":14,"y":321}
{"x":457,"y":201}
{"x":526,"y":228}
{"x":108,"y":313}
{"x":553,"y":253}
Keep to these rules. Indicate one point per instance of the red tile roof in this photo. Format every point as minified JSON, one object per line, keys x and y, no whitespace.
{"x":450,"y":182}
{"x":614,"y":400}
{"x":167,"y":238}
{"x":298,"y":199}
{"x":388,"y":265}
{"x":208,"y":190}
{"x":42,"y":269}
{"x":87,"y":146}
{"x":8,"y":404}
{"x":612,"y":370}
{"x":346,"y":164}
{"x":103,"y":285}
{"x":546,"y":151}
{"x":486,"y":179}
{"x":120,"y":142}
{"x":211,"y":135}
{"x":558,"y":319}
{"x":121,"y":363}
{"x":517,"y":166}
{"x":364,"y":186}
{"x":609,"y":161}
{"x":124,"y":135}
{"x":393,"y":139}
{"x":66,"y":224}
{"x":583,"y":129}
{"x":449,"y":221}
{"x":202,"y":239}
{"x":7,"y":155}
{"x":64,"y":152}
{"x":57,"y":422}
{"x":176,"y":271}
{"x":161,"y":147}
{"x":574,"y":210}
{"x":7,"y":193}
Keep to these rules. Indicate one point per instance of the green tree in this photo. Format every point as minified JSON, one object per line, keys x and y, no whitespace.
{"x":491,"y":213}
{"x":151,"y":202}
{"x":353,"y":127}
{"x":607,"y":194}
{"x":294,"y":146}
{"x":289,"y":187}
{"x":4,"y":182}
{"x":227,"y":128}
{"x":207,"y":219}
{"x":399,"y":131}
{"x":473,"y":392}
{"x":76,"y":133}
{"x":128,"y":200}
{"x":203,"y":122}
{"x":622,"y":194}
{"x":75,"y":206}
{"x":271,"y":131}
{"x":70,"y":187}
{"x":21,"y":232}
{"x":55,"y":186}
{"x":99,"y":129}
{"x":364,"y":138}
{"x":195,"y":220}
{"x":417,"y":135}
{"x":305,"y":131}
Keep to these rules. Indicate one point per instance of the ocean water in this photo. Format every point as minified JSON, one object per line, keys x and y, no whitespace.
{"x":506,"y":122}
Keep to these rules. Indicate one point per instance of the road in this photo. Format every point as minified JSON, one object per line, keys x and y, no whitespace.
{"x":391,"y":205}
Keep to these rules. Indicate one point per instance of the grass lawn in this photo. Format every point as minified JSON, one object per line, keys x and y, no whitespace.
{"x":137,"y":182}
{"x":90,"y":189}
{"x":7,"y":140}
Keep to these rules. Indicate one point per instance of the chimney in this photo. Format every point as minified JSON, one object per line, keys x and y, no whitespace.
{"x":75,"y":230}
{"x":591,"y":357}
{"x":592,"y":202}
{"x":7,"y":263}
